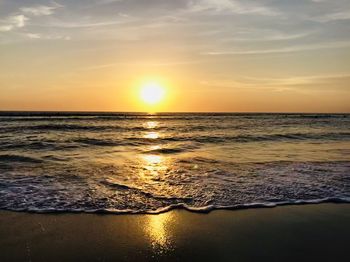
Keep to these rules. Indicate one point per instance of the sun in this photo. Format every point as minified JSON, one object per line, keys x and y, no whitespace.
{"x":152,"y":93}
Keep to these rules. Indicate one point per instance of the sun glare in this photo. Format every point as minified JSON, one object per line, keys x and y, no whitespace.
{"x":152,"y":93}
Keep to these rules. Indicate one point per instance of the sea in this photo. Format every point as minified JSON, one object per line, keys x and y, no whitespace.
{"x":151,"y":163}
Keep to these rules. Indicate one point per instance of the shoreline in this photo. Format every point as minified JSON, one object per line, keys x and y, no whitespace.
{"x":318,"y":232}
{"x":200,"y":210}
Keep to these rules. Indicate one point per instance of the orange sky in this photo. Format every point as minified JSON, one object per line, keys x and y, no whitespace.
{"x":241,"y":56}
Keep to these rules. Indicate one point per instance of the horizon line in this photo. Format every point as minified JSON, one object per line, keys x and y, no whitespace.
{"x":170,"y":112}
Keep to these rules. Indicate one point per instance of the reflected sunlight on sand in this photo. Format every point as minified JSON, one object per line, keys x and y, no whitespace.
{"x":159,"y":232}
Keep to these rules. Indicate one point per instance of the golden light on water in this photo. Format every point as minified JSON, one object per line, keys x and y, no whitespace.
{"x":151,"y":135}
{"x":153,"y":165}
{"x":152,"y":160}
{"x":157,"y":226}
{"x":151,"y":124}
{"x":158,"y":230}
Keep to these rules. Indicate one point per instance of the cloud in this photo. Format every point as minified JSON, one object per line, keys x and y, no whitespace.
{"x":40,"y":10}
{"x":298,"y":80}
{"x":144,"y":64}
{"x":231,"y":6}
{"x":320,"y":82}
{"x":288,"y":49}
{"x":256,"y":35}
{"x":47,"y":37}
{"x":79,"y":24}
{"x":106,"y":2}
{"x":5,"y":28}
{"x":33,"y":36}
{"x":337,"y":16}
{"x":12,"y":22}
{"x":19,"y":19}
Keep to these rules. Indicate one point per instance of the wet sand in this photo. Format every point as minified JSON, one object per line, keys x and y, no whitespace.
{"x":289,"y":233}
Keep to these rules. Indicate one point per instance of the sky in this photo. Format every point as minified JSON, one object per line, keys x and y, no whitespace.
{"x":209,"y":55}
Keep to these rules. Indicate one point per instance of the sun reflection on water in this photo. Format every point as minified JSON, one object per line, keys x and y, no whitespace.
{"x":153,"y":167}
{"x":151,"y":124}
{"x":151,"y":135}
{"x":159,"y":231}
{"x":152,"y":160}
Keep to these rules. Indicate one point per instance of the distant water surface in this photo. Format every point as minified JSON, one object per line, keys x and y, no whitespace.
{"x":136,"y":163}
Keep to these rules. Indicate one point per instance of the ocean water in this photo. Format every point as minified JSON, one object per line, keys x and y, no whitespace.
{"x":149,"y":163}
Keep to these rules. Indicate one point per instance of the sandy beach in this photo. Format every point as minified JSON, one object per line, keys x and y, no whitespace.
{"x":289,"y":233}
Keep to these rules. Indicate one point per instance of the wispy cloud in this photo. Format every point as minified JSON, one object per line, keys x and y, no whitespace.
{"x":105,"y":2}
{"x":324,"y":82}
{"x":33,"y":36}
{"x":47,"y":37}
{"x":255,"y":35}
{"x":297,"y":80}
{"x":231,"y":6}
{"x":303,"y":83}
{"x":82,"y":24}
{"x":336,"y":16}
{"x":19,"y":19}
{"x":143,"y":64}
{"x":40,"y":10}
{"x":288,"y":49}
{"x":13,"y":22}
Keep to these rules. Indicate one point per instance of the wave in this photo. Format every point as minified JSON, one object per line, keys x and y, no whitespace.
{"x":210,"y":208}
{"x":172,"y":150}
{"x":37,"y":145}
{"x":190,"y":143}
{"x":165,"y":151}
{"x":123,"y":186}
{"x":77,"y":116}
{"x":197,"y":138}
{"x":75,"y":127}
{"x":19,"y":158}
{"x":202,"y":209}
{"x":97,"y":142}
{"x":261,"y":138}
{"x":93,"y":187}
